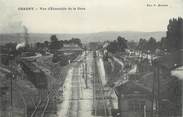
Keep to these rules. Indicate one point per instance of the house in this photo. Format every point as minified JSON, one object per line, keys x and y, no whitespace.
{"x":156,"y":91}
{"x":169,"y":62}
{"x":134,"y":99}
{"x":70,"y":45}
{"x":69,"y":49}
{"x":168,"y":94}
{"x":171,"y":92}
{"x":178,"y":73}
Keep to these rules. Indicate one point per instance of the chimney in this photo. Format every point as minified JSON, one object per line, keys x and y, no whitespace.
{"x":26,"y":36}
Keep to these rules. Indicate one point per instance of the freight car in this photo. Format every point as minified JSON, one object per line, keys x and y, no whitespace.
{"x":34,"y":74}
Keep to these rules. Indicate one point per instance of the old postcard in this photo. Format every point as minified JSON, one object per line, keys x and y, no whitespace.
{"x":91,"y":58}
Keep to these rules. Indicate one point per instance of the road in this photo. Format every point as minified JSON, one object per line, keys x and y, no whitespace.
{"x":81,"y":97}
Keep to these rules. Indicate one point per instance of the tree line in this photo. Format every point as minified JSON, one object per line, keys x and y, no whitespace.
{"x":118,"y":45}
{"x":55,"y":44}
{"x":9,"y":51}
{"x":172,"y":42}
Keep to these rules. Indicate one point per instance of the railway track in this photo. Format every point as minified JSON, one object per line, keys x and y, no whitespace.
{"x":43,"y":104}
{"x":100,"y":108}
{"x":41,"y":107}
{"x":75,"y":97}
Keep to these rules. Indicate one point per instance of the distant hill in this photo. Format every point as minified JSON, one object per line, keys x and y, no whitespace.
{"x":85,"y":37}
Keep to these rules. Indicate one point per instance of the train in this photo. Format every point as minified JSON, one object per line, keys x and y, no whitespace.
{"x":34,"y":74}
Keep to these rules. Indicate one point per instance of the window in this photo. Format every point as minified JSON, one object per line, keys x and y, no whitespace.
{"x":136,"y":105}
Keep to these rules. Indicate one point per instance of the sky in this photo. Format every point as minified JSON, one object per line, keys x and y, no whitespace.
{"x":98,"y":16}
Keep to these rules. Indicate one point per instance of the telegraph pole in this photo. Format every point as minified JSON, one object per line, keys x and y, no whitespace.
{"x":86,"y":80}
{"x":11,"y":94}
{"x":83,"y":70}
{"x":156,"y":90}
{"x":11,"y":78}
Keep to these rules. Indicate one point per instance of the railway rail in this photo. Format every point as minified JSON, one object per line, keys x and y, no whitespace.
{"x":100,"y":107}
{"x":99,"y":99}
{"x":41,"y":107}
{"x":75,"y":104}
{"x":43,"y":104}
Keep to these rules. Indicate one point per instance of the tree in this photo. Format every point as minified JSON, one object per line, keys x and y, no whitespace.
{"x":55,"y":44}
{"x":147,"y":45}
{"x":46,"y":43}
{"x":122,"y":43}
{"x":53,"y":38}
{"x":112,"y":47}
{"x":76,"y":41}
{"x":151,"y":44}
{"x":142,"y":45}
{"x":174,"y":37}
{"x":118,"y":45}
{"x":164,"y":43}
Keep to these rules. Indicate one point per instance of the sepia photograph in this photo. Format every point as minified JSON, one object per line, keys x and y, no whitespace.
{"x":91,"y":58}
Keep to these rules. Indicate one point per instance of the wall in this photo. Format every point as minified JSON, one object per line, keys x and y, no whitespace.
{"x":126,"y":111}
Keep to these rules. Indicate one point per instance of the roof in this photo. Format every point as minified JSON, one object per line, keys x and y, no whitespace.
{"x":69,"y":49}
{"x":178,"y":72}
{"x":145,"y":83}
{"x":70,"y":45}
{"x":171,"y":60}
{"x":29,"y":65}
{"x":131,"y":87}
{"x":147,"y":80}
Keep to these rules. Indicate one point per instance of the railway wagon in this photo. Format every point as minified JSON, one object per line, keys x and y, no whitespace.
{"x":34,"y":74}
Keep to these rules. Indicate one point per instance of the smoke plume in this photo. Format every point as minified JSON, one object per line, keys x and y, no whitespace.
{"x":20,"y":45}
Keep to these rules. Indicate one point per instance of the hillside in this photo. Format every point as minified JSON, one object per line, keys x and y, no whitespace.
{"x":85,"y":37}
